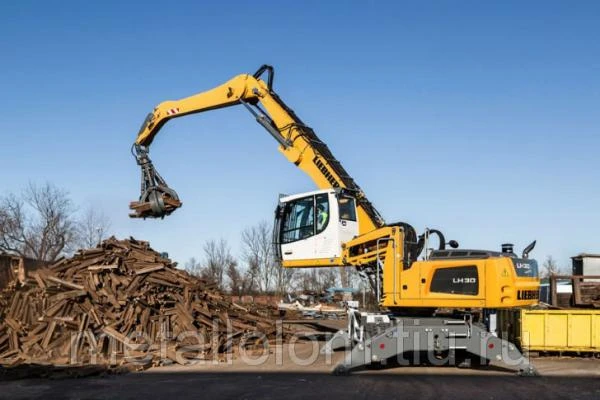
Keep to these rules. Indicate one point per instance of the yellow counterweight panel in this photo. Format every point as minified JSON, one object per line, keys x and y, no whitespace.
{"x":415,"y":282}
{"x":498,"y":285}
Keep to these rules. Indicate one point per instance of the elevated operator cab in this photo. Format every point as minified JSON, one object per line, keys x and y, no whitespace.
{"x":313,"y":226}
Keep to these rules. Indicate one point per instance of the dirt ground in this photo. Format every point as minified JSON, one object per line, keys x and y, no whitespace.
{"x":289,"y":372}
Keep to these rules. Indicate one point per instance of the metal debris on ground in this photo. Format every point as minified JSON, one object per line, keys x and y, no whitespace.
{"x":118,"y":303}
{"x":584,"y":291}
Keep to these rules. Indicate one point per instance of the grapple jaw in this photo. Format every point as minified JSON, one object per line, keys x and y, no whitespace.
{"x":157,"y":199}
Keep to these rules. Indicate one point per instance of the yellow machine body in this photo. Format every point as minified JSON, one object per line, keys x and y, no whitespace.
{"x":495,"y":285}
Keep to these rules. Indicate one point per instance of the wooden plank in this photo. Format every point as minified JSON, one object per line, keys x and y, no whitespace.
{"x":48,"y":335}
{"x":149,"y":269}
{"x":39,"y":280}
{"x":68,"y":295}
{"x":102,"y":267}
{"x":118,"y":336}
{"x":161,"y":282}
{"x":55,"y":308}
{"x":14,"y":305}
{"x":142,"y":256}
{"x":59,"y":264}
{"x":13,"y":324}
{"x":65,"y":283}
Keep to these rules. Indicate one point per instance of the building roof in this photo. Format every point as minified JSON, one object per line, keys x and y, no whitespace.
{"x":586,"y":255}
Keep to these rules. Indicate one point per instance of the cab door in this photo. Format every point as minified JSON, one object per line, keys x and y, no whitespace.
{"x":336,"y":223}
{"x":327,"y":243}
{"x":298,"y":229}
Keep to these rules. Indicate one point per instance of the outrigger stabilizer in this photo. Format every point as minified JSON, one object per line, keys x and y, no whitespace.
{"x":382,"y":339}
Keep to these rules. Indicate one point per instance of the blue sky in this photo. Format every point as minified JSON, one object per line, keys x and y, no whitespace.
{"x":477,"y":118}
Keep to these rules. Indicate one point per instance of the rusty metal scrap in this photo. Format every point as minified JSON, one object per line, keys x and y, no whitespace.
{"x":585,"y":291}
{"x":121,"y":301}
{"x":143,"y":209}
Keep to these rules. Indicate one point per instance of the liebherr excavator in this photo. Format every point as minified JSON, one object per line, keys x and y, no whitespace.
{"x":337,"y":225}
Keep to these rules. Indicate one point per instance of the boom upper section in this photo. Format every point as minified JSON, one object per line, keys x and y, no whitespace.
{"x":297,"y":141}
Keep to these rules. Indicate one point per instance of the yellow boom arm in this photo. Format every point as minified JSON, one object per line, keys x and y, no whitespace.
{"x":298,"y":143}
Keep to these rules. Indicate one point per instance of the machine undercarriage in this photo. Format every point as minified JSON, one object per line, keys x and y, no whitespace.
{"x":385,"y":339}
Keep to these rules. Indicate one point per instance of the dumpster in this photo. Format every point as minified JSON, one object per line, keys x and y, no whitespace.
{"x":571,"y":330}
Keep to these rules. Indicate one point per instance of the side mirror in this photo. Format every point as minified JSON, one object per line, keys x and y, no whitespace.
{"x":453,"y":244}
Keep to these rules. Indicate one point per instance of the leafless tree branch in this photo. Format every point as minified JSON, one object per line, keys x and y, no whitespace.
{"x":92,"y":227}
{"x":39,"y":223}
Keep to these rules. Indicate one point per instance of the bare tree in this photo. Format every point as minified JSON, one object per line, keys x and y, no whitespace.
{"x":93,"y":227}
{"x":236,"y":279}
{"x":327,"y":277}
{"x":285,"y":278}
{"x":253,"y":275}
{"x":354,"y":278}
{"x":317,"y":280}
{"x":217,"y":260}
{"x":550,"y":267}
{"x":258,"y":254}
{"x":240,"y":282}
{"x":345,"y":276}
{"x":39,"y":223}
{"x":194,"y":267}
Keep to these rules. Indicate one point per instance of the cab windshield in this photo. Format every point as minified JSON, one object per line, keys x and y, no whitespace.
{"x":299,"y":220}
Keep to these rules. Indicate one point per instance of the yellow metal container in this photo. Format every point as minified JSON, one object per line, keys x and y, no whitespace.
{"x":553,"y":330}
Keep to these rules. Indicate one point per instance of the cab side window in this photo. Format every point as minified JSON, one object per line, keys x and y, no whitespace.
{"x":322,"y":203}
{"x":347,"y":208}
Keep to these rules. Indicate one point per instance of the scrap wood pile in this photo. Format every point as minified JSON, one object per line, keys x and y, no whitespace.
{"x":121,"y":298}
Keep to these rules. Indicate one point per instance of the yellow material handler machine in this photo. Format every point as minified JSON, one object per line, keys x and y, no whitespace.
{"x":337,"y":226}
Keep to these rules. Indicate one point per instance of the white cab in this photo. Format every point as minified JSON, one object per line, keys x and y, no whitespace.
{"x":314,"y":225}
